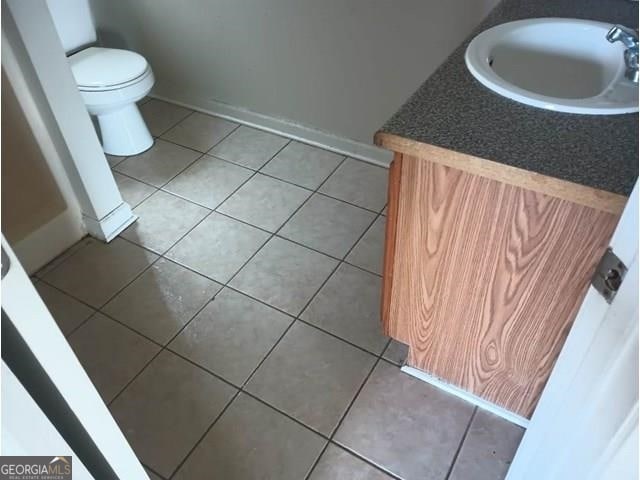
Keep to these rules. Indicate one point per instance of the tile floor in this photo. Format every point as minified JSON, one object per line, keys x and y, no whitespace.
{"x":233,"y":330}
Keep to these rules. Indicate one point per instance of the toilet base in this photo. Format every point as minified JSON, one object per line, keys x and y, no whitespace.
{"x":124,"y":132}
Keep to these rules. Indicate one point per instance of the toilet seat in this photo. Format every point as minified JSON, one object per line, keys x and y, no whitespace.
{"x":97,"y":69}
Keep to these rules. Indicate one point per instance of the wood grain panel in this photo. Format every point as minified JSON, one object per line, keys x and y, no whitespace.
{"x":573,"y":192}
{"x":393,"y":197}
{"x":487,"y":279}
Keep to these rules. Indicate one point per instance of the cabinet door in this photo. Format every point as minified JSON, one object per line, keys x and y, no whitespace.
{"x":487,"y":279}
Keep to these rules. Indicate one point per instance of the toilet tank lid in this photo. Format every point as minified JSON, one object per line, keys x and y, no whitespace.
{"x":73,"y":22}
{"x":105,"y":67}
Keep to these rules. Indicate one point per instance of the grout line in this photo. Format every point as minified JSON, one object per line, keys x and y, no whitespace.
{"x":111,"y":166}
{"x":205,"y":217}
{"x":251,"y":375}
{"x":215,"y":420}
{"x":362,"y":349}
{"x":366,"y":379}
{"x":236,"y":290}
{"x":388,"y":473}
{"x":94,"y":309}
{"x":201,"y":154}
{"x":77,"y":327}
{"x":174,"y":124}
{"x":239,"y":390}
{"x":258,"y":228}
{"x":360,"y":237}
{"x":136,"y":179}
{"x":348,"y":449}
{"x":151,"y":470}
{"x":242,"y":388}
{"x":190,"y":320}
{"x":162,"y":349}
{"x":316,"y":191}
{"x":340,"y":259}
{"x":206,"y":152}
{"x":464,"y":437}
{"x":345,"y":414}
{"x":272,"y":234}
{"x":347,"y":202}
{"x":223,"y":286}
{"x":86,"y":240}
{"x":99,"y":309}
{"x":226,"y":285}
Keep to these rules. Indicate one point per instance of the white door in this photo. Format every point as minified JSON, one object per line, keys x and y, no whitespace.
{"x":26,"y":430}
{"x":586,"y":423}
{"x":38,"y":355}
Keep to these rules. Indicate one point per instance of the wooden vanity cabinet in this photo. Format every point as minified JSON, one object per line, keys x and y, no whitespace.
{"x":482,"y":277}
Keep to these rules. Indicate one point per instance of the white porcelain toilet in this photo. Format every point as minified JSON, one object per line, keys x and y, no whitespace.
{"x":110,"y":80}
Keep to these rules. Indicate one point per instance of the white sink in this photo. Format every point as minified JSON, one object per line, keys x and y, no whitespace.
{"x":559,"y":64}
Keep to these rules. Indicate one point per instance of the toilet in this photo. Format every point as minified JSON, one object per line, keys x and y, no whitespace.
{"x":110,"y":80}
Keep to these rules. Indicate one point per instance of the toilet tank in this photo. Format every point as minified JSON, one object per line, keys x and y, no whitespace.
{"x":74,"y":23}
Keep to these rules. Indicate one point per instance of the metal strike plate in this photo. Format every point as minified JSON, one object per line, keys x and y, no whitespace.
{"x":609,"y":275}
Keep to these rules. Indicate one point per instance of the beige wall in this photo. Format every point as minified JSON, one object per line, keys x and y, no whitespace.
{"x":30,"y":195}
{"x":339,"y":66}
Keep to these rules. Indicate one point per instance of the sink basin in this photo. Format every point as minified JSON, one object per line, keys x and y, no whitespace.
{"x":559,"y":64}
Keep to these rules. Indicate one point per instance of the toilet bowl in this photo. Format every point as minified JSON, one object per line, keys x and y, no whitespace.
{"x":110,"y":80}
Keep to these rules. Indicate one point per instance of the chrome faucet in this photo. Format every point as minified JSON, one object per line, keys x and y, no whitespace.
{"x":629,"y":37}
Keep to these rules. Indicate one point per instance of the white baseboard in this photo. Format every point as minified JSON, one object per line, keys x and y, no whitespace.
{"x":110,"y":226}
{"x":469,"y":397}
{"x":49,"y":241}
{"x":344,"y":146}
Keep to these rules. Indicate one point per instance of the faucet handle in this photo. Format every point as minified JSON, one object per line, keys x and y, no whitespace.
{"x":620,"y":33}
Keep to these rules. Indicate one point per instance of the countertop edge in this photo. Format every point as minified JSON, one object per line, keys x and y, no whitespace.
{"x":580,"y":194}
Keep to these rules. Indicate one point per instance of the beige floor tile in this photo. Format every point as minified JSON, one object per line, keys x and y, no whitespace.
{"x":163,"y":220}
{"x":303,"y":164}
{"x":111,"y":354}
{"x":167,"y":408}
{"x":488,"y":448}
{"x":162,"y":300}
{"x":231,"y":335}
{"x":249,"y":147}
{"x":68,"y":312}
{"x":113,"y":160}
{"x":369,"y":251}
{"x":264,"y":202}
{"x":284,"y":275}
{"x":72,"y":250}
{"x":327,"y":225}
{"x":311,"y":376}
{"x":359,"y":183}
{"x":404,"y":425}
{"x":349,"y":306}
{"x":253,"y":441}
{"x":218,"y":247}
{"x":133,"y":192}
{"x":396,"y":352}
{"x":338,"y":464}
{"x":152,"y":476}
{"x":161,"y":116}
{"x":209,"y":181}
{"x":99,"y":270}
{"x":159,"y":164}
{"x":200,"y":131}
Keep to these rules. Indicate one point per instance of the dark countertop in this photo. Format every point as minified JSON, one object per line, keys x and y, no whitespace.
{"x":452,"y":110}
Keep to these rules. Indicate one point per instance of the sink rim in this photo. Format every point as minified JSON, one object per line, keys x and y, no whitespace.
{"x":477,"y":62}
